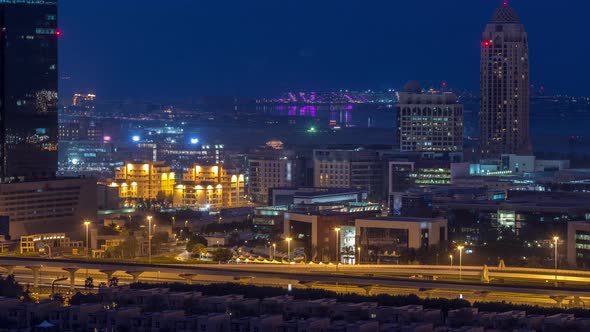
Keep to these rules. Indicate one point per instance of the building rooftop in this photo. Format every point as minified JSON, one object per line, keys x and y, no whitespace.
{"x":405,"y":219}
{"x":505,"y":14}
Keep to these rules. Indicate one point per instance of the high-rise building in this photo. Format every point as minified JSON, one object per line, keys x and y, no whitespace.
{"x":28,"y":88}
{"x":429,"y":121}
{"x":504,"y":115}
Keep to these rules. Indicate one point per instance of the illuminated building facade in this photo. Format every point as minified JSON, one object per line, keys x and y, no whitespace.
{"x":504,"y":115}
{"x":144,"y":181}
{"x":208,"y":187}
{"x":28,"y":88}
{"x":429,"y":122}
{"x":407,"y":174}
{"x":84,"y":101}
{"x":358,"y":169}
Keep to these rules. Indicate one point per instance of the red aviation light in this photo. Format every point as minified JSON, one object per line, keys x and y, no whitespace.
{"x":58,"y":33}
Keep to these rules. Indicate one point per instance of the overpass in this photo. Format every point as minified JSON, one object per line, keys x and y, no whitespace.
{"x":370,"y":278}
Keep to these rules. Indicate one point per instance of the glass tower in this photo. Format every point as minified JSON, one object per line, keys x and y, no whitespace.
{"x":28,"y":88}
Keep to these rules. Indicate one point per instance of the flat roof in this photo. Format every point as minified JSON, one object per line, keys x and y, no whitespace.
{"x":404,"y":219}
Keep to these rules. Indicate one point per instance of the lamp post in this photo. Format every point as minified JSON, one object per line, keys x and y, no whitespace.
{"x":149,"y":218}
{"x":288,"y":249}
{"x":555,"y":239}
{"x":87,"y":223}
{"x":460,"y":262}
{"x":359,"y":260}
{"x":274,"y":251}
{"x":337,"y":229}
{"x":451,"y":257}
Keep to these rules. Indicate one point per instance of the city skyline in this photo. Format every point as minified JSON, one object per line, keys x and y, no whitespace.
{"x":268,"y":48}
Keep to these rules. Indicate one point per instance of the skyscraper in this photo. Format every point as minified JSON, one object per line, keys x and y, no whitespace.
{"x":28,"y":88}
{"x":504,"y":115}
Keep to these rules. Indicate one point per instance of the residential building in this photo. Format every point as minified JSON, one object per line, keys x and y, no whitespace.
{"x":209,"y":187}
{"x":144,"y":181}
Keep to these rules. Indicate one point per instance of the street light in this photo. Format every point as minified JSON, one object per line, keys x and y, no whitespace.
{"x":460,"y":262}
{"x":274,"y":251}
{"x":87,"y":223}
{"x":555,"y":239}
{"x":288,"y":248}
{"x":149,"y":218}
{"x":337,"y":229}
{"x":451,"y":257}
{"x":359,"y":250}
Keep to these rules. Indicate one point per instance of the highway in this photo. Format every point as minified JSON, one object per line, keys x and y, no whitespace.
{"x":516,"y":285}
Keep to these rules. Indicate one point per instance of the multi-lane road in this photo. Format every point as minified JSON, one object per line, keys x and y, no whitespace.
{"x":517,"y":285}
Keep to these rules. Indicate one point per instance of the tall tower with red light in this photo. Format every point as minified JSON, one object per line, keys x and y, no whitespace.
{"x":504,"y":84}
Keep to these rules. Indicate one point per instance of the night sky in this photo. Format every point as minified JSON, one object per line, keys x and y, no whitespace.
{"x":181,"y":49}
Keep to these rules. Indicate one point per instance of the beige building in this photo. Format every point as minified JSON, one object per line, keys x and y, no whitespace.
{"x":504,"y":115}
{"x":211,"y":187}
{"x":50,"y":244}
{"x":428,"y":121}
{"x":47,"y":206}
{"x":144,"y":180}
{"x":265,"y":174}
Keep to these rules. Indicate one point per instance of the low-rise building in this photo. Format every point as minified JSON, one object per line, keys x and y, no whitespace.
{"x":148,"y":180}
{"x":208,"y":187}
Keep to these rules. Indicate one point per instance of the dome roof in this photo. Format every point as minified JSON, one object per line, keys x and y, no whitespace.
{"x":505,"y":14}
{"x":412,"y":87}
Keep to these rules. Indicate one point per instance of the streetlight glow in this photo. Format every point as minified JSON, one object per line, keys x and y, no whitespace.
{"x":460,"y":262}
{"x":149,"y":218}
{"x":337,"y":229}
{"x":555,"y":239}
{"x":288,"y":248}
{"x":87,"y":224}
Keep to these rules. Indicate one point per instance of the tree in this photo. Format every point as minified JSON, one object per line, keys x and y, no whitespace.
{"x":129,"y":247}
{"x":158,"y":239}
{"x":194,"y":240}
{"x":10,"y":288}
{"x":114,"y":282}
{"x":222,"y":255}
{"x":199,"y":250}
{"x":89,"y":283}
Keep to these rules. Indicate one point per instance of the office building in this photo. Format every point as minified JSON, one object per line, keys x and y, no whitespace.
{"x":578,"y":244}
{"x":290,"y":196}
{"x":268,"y":173}
{"x":35,"y":207}
{"x":207,"y":187}
{"x":407,"y":174}
{"x":504,"y":115}
{"x":144,"y":181}
{"x":28,"y":88}
{"x":358,"y":169}
{"x":429,"y":121}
